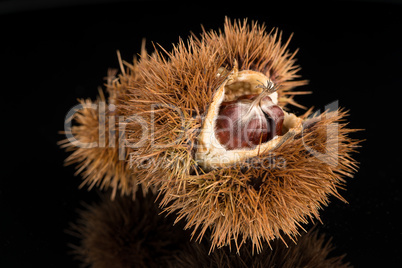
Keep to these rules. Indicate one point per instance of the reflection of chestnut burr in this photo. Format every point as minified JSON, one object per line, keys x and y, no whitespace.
{"x":126,"y":233}
{"x":245,"y":123}
{"x":313,"y":249}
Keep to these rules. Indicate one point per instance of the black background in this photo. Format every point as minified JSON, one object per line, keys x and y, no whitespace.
{"x":350,"y":52}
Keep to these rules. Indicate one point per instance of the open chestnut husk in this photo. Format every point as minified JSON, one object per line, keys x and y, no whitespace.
{"x":242,"y":186}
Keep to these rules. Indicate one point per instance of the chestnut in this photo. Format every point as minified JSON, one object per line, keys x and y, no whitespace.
{"x":244,"y":124}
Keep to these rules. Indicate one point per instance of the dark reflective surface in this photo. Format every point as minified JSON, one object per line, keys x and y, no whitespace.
{"x":350,"y":52}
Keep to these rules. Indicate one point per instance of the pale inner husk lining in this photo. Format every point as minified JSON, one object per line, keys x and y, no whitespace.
{"x":210,"y":153}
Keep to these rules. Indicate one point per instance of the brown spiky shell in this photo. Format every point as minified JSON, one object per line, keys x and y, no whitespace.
{"x":164,"y":99}
{"x":102,"y":165}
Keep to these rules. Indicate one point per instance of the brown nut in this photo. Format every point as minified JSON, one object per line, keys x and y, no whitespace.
{"x":242,"y":125}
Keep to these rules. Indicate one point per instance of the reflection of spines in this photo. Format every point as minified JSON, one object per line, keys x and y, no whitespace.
{"x":126,"y":233}
{"x":313,"y":250}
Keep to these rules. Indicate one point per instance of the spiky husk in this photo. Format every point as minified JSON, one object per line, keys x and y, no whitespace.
{"x":248,"y":200}
{"x":126,"y":233}
{"x":312,"y":250}
{"x":103,"y":165}
{"x":99,"y":165}
{"x":163,"y":99}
